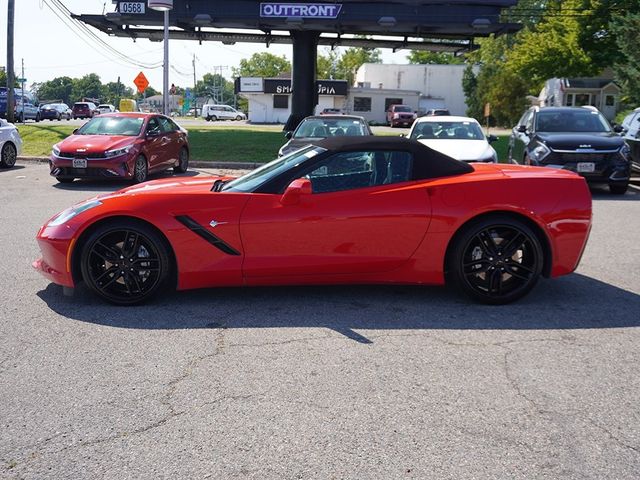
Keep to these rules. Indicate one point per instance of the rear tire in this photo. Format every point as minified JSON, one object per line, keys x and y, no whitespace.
{"x":8,"y":155}
{"x":495,"y":260}
{"x":183,"y":161}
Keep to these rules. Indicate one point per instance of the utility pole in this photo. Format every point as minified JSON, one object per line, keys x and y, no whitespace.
{"x":195,"y":97}
{"x":11,"y":78}
{"x":22,"y":90}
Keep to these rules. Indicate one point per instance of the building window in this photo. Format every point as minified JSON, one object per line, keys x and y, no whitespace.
{"x":391,"y":101}
{"x":569,"y":100}
{"x":610,"y":100}
{"x":582,"y":99}
{"x":361,"y":104}
{"x":281,"y":101}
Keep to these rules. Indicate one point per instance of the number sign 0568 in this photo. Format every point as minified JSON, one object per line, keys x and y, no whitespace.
{"x":131,"y":7}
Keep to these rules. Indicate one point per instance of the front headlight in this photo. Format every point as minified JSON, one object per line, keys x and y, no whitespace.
{"x":117,"y":152}
{"x":55,"y":150}
{"x":625,"y":152}
{"x":540,"y":152}
{"x":69,"y":213}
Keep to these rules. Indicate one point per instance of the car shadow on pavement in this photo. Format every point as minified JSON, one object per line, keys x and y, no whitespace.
{"x":109,"y":185}
{"x":602,"y":193}
{"x":572,"y":302}
{"x":13,"y":169}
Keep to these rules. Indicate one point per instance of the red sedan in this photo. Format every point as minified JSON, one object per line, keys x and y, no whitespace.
{"x":121,"y":145}
{"x":364,"y":210}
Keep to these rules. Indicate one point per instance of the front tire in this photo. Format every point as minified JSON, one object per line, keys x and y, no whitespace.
{"x":495,"y":260}
{"x":140,"y":170}
{"x":125,"y":262}
{"x":8,"y":155}
{"x":183,"y":161}
{"x":618,"y":189}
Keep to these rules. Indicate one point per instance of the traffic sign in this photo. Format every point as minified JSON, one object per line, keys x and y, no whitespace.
{"x":141,"y":82}
{"x":21,"y":80}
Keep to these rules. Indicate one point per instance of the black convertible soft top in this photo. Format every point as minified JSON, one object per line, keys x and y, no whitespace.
{"x":428,"y":163}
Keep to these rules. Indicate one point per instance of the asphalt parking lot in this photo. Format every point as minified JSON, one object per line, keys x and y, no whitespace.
{"x":318,"y":383}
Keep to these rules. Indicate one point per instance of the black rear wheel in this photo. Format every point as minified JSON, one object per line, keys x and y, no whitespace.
{"x":125,"y":262}
{"x":8,"y":155}
{"x":496,"y":260}
{"x":183,"y":161}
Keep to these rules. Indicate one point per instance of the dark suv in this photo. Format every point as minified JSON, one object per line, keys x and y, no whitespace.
{"x":579,"y":139}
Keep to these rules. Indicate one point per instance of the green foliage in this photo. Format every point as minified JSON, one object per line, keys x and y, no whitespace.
{"x":88,"y":86}
{"x":262,"y":64}
{"x":59,"y":88}
{"x":470,"y":89}
{"x":112,"y":92}
{"x":626,"y":27}
{"x":215,"y":86}
{"x":327,"y":65}
{"x":433,"y":58}
{"x":352,"y":59}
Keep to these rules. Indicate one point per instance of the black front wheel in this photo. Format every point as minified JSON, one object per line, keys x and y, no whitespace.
{"x":618,"y":189}
{"x":8,"y":155}
{"x":140,"y":169}
{"x":125,"y":262}
{"x":496,"y":260}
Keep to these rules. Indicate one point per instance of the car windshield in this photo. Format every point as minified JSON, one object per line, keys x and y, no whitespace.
{"x":321,"y":128}
{"x":447,"y":130}
{"x":128,"y":126}
{"x":571,"y":121}
{"x":403,"y":109}
{"x":252,"y":180}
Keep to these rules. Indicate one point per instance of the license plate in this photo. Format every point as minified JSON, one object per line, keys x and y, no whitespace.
{"x":586,"y":167}
{"x":132,"y":7}
{"x":79,"y":163}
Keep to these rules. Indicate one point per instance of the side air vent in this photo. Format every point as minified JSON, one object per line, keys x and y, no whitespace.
{"x":202,"y":232}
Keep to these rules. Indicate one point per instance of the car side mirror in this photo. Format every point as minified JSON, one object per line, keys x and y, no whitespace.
{"x":297,"y":188}
{"x":288,"y":135}
{"x":402,"y":135}
{"x":492,"y":138}
{"x":618,"y":128}
{"x":522,"y":128}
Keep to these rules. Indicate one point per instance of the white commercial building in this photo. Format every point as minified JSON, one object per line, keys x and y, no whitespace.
{"x":270,"y":98}
{"x":439,"y":86}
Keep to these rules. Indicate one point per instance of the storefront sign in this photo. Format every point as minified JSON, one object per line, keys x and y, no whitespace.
{"x":250,"y":84}
{"x":303,"y":10}
{"x":282,"y":86}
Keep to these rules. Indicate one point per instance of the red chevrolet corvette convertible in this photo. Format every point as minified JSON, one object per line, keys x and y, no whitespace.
{"x":358,"y":210}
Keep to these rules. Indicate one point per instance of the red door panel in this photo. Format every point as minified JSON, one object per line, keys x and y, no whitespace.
{"x":365,"y":230}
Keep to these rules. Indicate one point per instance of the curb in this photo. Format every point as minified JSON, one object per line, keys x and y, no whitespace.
{"x":197,"y":164}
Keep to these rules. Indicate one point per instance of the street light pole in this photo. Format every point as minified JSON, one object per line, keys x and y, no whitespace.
{"x":165,"y":73}
{"x":164,"y":6}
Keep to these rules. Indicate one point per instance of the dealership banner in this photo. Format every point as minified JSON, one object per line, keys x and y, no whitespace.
{"x":302,"y":10}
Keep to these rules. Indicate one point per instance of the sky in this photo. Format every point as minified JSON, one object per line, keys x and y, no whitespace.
{"x":52,"y":49}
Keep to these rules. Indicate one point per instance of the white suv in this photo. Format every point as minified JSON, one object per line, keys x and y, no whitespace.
{"x":221,"y":112}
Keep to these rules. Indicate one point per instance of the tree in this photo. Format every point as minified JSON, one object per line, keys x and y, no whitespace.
{"x":626,"y":28}
{"x":262,"y":64}
{"x":433,"y":58}
{"x":114,"y":91}
{"x":327,"y":65}
{"x":59,"y":88}
{"x":215,"y":86}
{"x":88,"y":86}
{"x":352,"y":59}
{"x":470,"y":89}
